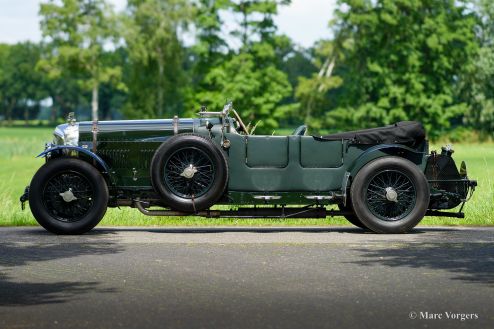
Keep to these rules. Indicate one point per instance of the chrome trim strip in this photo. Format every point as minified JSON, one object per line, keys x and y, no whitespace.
{"x":136,"y":125}
{"x":267,"y":197}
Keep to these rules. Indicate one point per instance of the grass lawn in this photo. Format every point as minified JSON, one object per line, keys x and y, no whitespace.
{"x":19,"y":146}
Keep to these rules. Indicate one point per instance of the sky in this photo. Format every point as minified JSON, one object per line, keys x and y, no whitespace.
{"x":305,"y":21}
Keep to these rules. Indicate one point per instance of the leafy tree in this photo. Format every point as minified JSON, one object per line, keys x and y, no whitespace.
{"x":300,"y":62}
{"x":113,"y":97}
{"x":78,"y":33}
{"x":297,"y":63}
{"x":478,"y":87}
{"x":312,"y":92}
{"x":256,"y":91}
{"x":256,"y":19}
{"x":4,"y":53}
{"x":250,"y":76}
{"x":156,"y":55}
{"x":210,"y":47}
{"x":406,"y":60}
{"x":20,"y":84}
{"x":62,"y":86}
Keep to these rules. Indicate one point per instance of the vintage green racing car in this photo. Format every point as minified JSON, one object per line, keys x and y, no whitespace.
{"x":381,"y":179}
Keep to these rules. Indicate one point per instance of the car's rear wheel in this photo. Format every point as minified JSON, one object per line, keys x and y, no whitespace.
{"x":189,"y":172}
{"x":352,"y":218}
{"x":68,"y":196}
{"x":390,"y":195}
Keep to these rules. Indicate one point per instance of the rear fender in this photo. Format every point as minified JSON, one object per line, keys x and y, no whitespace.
{"x":382,"y":150}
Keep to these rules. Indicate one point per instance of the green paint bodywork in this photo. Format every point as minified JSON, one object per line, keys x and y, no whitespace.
{"x":292,"y":167}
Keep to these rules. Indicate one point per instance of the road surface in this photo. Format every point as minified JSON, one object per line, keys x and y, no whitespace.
{"x":247,"y":278}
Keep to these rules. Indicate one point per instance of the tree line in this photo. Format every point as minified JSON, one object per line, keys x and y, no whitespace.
{"x":426,"y":60}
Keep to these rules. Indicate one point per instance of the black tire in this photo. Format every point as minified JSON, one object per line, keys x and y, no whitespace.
{"x":390,"y":195}
{"x":76,"y":216}
{"x":353,"y":219}
{"x":169,"y":172}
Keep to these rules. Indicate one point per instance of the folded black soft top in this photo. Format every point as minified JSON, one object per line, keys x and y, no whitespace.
{"x":405,"y":132}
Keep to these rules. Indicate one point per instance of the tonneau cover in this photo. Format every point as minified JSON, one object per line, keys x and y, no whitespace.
{"x":410,"y":133}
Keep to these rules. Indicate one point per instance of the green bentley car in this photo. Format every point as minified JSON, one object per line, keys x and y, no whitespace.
{"x":380,"y":179}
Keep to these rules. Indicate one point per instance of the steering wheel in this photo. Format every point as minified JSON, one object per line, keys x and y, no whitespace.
{"x":240,"y":122}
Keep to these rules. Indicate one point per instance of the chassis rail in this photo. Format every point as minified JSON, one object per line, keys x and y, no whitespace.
{"x":272,"y":212}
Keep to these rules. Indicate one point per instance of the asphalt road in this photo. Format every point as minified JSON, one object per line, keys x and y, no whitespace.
{"x":247,"y":278}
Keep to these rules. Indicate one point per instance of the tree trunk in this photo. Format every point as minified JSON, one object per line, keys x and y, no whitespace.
{"x":329,"y":72}
{"x":94,"y":102}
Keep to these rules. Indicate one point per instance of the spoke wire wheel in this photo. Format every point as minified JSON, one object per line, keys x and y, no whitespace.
{"x":201,"y":170}
{"x":76,"y":186}
{"x":189,"y":172}
{"x":390,"y":195}
{"x":68,"y":196}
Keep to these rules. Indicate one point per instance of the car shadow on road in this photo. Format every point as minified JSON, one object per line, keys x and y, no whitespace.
{"x":17,"y":289}
{"x":471,"y":262}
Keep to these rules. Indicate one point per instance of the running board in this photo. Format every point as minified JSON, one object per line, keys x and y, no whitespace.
{"x":272,"y":212}
{"x":279,"y":212}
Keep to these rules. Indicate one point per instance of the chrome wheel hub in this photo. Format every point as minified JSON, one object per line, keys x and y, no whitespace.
{"x":391,"y":194}
{"x":68,"y":196}
{"x":189,"y":172}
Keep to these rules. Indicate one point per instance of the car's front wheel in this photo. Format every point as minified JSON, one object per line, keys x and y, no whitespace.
{"x":68,"y":196}
{"x":390,"y":195}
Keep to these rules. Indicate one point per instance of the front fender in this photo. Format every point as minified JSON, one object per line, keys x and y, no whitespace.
{"x":382,"y":150}
{"x":60,"y":149}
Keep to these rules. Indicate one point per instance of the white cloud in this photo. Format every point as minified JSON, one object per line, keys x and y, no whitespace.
{"x":306,"y":21}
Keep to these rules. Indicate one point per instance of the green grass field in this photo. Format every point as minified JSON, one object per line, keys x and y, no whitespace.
{"x":19,"y":146}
